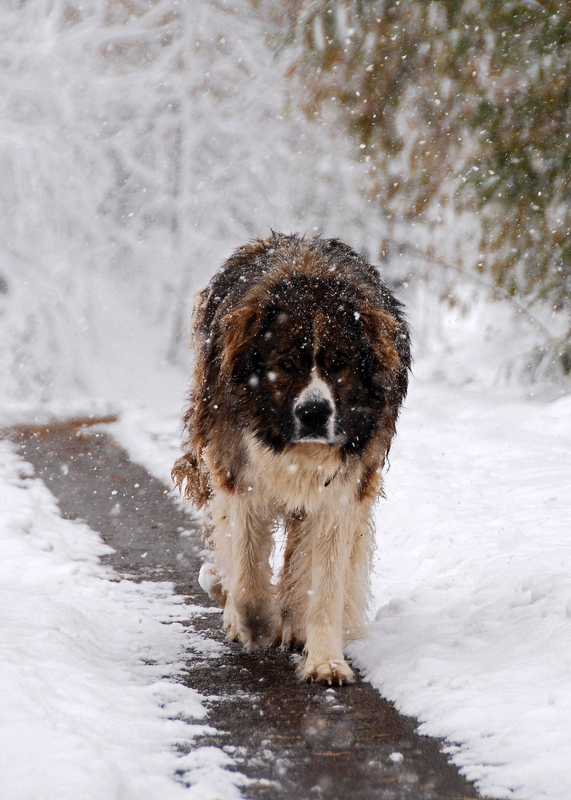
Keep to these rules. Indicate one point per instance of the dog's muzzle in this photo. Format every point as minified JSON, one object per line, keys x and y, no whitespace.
{"x":313,"y":419}
{"x":314,"y":414}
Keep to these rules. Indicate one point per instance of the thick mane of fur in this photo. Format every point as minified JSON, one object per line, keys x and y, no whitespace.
{"x":229,"y":312}
{"x":278,"y":312}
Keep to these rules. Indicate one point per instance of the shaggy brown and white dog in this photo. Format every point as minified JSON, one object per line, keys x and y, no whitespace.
{"x":302,"y":358}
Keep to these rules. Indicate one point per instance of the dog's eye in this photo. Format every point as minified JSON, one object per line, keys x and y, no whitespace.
{"x":337,"y":365}
{"x":287,"y":365}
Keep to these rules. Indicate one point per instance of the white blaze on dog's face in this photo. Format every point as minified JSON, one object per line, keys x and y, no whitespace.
{"x":314,"y":412}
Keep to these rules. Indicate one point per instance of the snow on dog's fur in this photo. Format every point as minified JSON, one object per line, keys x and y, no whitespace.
{"x":302,"y":359}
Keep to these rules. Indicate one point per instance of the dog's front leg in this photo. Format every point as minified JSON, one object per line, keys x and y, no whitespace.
{"x":332,"y":543}
{"x":242,"y":538}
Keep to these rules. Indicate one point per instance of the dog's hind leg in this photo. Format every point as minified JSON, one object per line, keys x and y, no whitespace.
{"x":241,"y":534}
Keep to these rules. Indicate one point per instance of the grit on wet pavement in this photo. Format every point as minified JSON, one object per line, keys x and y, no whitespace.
{"x":292,"y":740}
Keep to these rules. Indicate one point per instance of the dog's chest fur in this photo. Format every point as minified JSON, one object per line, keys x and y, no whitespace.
{"x":301,"y":480}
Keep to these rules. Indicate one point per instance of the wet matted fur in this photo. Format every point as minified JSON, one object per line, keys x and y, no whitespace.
{"x":302,"y":358}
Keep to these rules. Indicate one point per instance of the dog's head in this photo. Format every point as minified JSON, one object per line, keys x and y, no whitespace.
{"x":311,"y":360}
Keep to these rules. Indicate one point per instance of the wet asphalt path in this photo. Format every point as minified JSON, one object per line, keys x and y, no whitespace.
{"x":296,"y":741}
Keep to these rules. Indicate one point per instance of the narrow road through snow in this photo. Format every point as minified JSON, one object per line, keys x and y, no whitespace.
{"x":292,"y":740}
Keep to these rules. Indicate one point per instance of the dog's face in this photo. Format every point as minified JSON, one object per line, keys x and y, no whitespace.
{"x":312,"y":366}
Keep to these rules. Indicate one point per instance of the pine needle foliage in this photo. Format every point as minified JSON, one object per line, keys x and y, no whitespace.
{"x":467,"y":101}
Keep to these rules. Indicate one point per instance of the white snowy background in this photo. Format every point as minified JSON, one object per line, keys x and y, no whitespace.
{"x":139,"y":143}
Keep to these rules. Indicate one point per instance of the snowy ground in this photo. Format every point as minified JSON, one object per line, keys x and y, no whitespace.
{"x":472,"y":579}
{"x":88,"y":704}
{"x":472,"y":585}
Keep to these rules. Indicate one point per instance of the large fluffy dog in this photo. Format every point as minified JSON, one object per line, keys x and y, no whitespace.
{"x":302,"y":359}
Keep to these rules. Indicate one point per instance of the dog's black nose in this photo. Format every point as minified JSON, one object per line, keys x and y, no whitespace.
{"x":314,"y":416}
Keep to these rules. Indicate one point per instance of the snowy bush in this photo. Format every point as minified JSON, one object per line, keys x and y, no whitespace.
{"x":141,"y":142}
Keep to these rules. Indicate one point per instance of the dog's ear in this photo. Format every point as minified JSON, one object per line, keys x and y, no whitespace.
{"x":381,"y":330}
{"x":389,"y":340}
{"x":241,"y":327}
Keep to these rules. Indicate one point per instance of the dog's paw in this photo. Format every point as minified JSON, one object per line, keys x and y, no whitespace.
{"x":254,"y":639}
{"x":254,"y":628}
{"x":334,"y":671}
{"x":258,"y":630}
